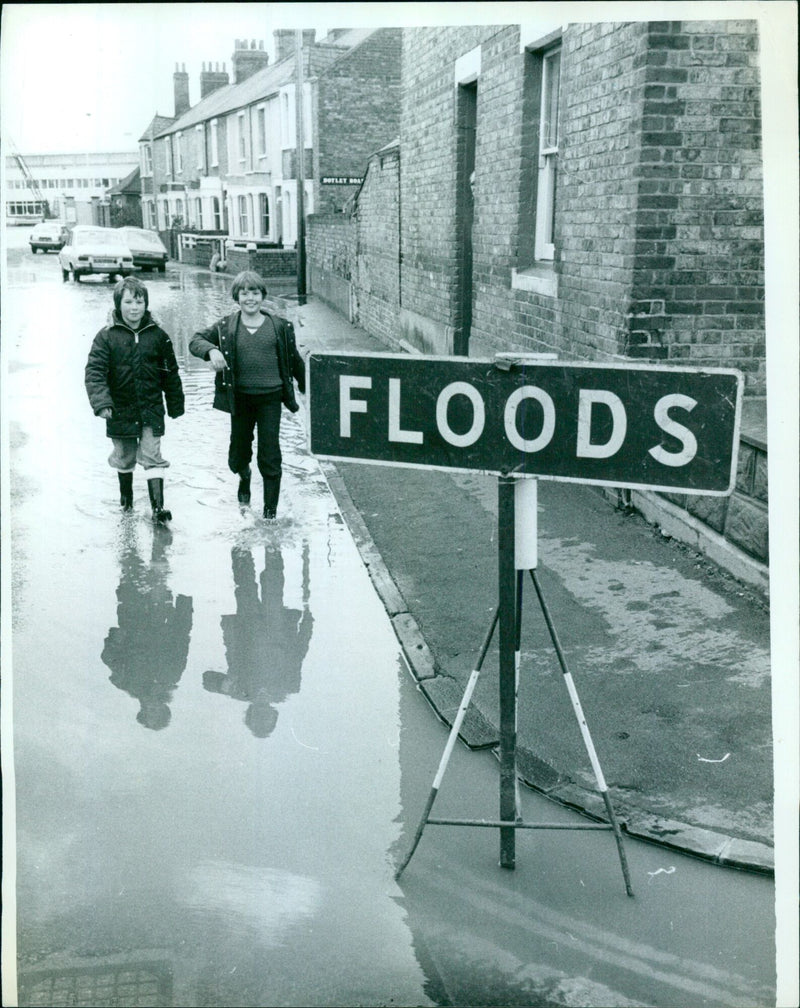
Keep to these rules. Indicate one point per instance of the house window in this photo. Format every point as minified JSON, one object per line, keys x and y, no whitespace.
{"x":168,"y":152}
{"x":538,"y":182}
{"x":216,"y":212}
{"x":179,"y":211}
{"x":242,"y":137}
{"x":148,"y":159}
{"x":198,"y":212}
{"x":199,"y":140}
{"x":261,"y":116}
{"x":263,"y":206}
{"x":244,"y":224}
{"x":214,"y":144}
{"x":178,"y":153}
{"x":548,"y":156}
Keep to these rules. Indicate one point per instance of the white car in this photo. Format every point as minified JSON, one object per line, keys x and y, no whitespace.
{"x":91,"y":249}
{"x":47,"y":235}
{"x":146,"y":247}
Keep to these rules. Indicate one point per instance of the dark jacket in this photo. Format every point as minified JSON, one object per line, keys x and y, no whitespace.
{"x":131,"y":372}
{"x":222,"y":335}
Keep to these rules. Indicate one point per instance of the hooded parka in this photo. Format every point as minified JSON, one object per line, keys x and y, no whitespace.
{"x":132,"y":372}
{"x":222,"y":335}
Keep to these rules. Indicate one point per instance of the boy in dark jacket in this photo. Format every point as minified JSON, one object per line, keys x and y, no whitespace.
{"x":257,"y":363}
{"x":130,"y":371}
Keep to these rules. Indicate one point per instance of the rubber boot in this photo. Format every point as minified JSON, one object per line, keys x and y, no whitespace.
{"x":155,"y":487}
{"x":272,"y":490}
{"x":126,"y":490}
{"x":244,"y":486}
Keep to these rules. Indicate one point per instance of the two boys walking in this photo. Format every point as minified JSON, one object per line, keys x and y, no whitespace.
{"x":131,"y":372}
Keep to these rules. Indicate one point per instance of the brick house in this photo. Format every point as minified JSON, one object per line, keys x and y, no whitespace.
{"x":226,"y":166}
{"x":589,"y":189}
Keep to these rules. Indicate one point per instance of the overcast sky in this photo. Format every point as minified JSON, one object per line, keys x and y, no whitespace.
{"x":90,"y":77}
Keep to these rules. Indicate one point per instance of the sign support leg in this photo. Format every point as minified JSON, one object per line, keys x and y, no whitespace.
{"x":451,"y":741}
{"x":507,"y":579}
{"x":587,"y":738}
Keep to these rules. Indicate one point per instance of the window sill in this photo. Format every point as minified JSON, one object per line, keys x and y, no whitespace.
{"x":539,"y":279}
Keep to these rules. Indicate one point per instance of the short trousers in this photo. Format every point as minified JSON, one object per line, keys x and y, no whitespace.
{"x":146,"y":450}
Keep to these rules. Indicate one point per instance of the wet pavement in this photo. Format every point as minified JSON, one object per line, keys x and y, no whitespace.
{"x":220,"y":754}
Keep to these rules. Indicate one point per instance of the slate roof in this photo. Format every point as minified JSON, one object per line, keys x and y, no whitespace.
{"x":264,"y":82}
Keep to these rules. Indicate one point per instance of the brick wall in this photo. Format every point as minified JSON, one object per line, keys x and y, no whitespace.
{"x":376,"y":276}
{"x":698,"y":282}
{"x":428,"y":178}
{"x":357,"y":112}
{"x":330,"y":252}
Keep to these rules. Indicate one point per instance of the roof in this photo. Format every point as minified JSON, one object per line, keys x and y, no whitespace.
{"x":157,"y":124}
{"x":262,"y":83}
{"x":130,"y":184}
{"x":234,"y":96}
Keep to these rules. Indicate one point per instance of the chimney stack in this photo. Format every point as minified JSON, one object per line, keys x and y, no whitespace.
{"x":247,"y":59}
{"x":212,"y":78}
{"x":285,"y":41}
{"x":180,"y":81}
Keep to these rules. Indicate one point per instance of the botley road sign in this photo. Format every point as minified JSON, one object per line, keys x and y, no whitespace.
{"x":622,"y":425}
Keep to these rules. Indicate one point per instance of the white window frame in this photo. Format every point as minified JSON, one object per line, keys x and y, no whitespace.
{"x":242,"y":138}
{"x":264,"y":214}
{"x":168,"y":150}
{"x":199,"y":136}
{"x":243,"y":221}
{"x":214,"y":143}
{"x":261,"y":122}
{"x":178,"y":154}
{"x":544,"y":246}
{"x":148,"y":159}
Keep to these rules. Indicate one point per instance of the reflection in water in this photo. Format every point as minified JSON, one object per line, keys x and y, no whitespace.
{"x":147,"y":652}
{"x":265,"y":642}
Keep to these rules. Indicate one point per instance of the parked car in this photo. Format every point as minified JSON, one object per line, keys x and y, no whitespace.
{"x":91,"y":249}
{"x":147,"y":249}
{"x":48,"y":235}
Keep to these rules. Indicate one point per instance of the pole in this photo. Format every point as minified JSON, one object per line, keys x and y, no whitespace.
{"x":300,"y":172}
{"x":507,"y":585}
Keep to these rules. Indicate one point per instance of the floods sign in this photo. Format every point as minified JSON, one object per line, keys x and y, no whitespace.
{"x":626,"y":425}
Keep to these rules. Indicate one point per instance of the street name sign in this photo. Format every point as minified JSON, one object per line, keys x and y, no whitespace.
{"x":621,"y":425}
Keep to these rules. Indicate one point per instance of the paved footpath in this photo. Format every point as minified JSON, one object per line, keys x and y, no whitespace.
{"x":670,"y":655}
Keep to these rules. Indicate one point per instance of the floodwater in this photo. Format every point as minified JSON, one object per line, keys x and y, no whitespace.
{"x":220,"y":756}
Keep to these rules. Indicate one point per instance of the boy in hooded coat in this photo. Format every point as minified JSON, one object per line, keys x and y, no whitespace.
{"x":130,"y":371}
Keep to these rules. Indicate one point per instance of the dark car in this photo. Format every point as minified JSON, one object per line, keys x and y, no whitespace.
{"x":48,"y":235}
{"x":146,"y":247}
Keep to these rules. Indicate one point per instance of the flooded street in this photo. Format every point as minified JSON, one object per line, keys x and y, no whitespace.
{"x":220,"y":756}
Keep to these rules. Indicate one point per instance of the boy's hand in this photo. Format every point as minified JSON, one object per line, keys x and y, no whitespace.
{"x":106,"y":414}
{"x":217,"y":359}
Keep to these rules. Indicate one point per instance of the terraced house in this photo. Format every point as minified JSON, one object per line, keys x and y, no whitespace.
{"x":593,"y":190}
{"x":227,"y":165}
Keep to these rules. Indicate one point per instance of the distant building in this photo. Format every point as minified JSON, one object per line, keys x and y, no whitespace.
{"x":74,"y":187}
{"x":125,"y":201}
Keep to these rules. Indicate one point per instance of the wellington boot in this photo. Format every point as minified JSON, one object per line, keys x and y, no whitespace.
{"x":155,"y":488}
{"x":244,"y":486}
{"x":126,"y":490}
{"x":272,"y":490}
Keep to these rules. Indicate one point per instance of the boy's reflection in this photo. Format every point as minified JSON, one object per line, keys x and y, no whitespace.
{"x":265,"y":642}
{"x":147,"y":652}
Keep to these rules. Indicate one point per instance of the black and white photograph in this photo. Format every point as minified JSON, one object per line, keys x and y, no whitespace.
{"x":399,"y":419}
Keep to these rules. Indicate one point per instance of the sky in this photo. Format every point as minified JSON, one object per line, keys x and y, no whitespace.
{"x":90,"y":77}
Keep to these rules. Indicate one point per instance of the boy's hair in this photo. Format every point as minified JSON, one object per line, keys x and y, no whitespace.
{"x":135,"y":286}
{"x":247,"y":280}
